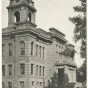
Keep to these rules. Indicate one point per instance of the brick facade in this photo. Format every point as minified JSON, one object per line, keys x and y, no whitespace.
{"x":46,"y":49}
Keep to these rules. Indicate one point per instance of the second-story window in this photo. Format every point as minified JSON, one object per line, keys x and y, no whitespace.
{"x":22,"y":47}
{"x":32,"y":48}
{"x":40,"y":84}
{"x":43,"y":52}
{"x":40,"y":71}
{"x":37,"y":84}
{"x":3,"y":49}
{"x":10,"y":49}
{"x":61,"y":74}
{"x":36,"y":50}
{"x":3,"y":84}
{"x":3,"y":69}
{"x":22,"y":69}
{"x":40,"y":51}
{"x":59,"y":55}
{"x":43,"y":71}
{"x":32,"y":69}
{"x":44,"y":84}
{"x":9,"y":84}
{"x":36,"y":70}
{"x":22,"y":84}
{"x":10,"y":69}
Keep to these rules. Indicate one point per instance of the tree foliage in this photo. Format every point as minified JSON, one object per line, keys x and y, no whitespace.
{"x":80,"y":27}
{"x":68,"y":52}
{"x":55,"y":82}
{"x":81,"y":73}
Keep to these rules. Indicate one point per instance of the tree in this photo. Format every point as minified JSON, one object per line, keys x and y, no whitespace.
{"x":56,"y":82}
{"x":68,"y":52}
{"x":81,"y":73}
{"x":80,"y":27}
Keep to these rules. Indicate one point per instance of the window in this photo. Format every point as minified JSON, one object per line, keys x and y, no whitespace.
{"x":10,"y":69}
{"x":29,"y":16}
{"x":3,"y":49}
{"x":36,"y":70}
{"x":3,"y":84}
{"x":71,"y":75}
{"x":40,"y":84}
{"x":43,"y":52}
{"x":37,"y":84}
{"x":3,"y":69}
{"x":32,"y":69}
{"x":22,"y":47}
{"x":50,"y":72}
{"x":17,"y":16}
{"x":36,"y":50}
{"x":61,"y":74}
{"x":32,"y":83}
{"x":44,"y":84}
{"x":56,"y":45}
{"x":10,"y":49}
{"x":21,"y":84}
{"x":32,"y":48}
{"x":40,"y":51}
{"x":43,"y":71}
{"x":40,"y":71}
{"x":22,"y":68}
{"x":9,"y":84}
{"x":59,"y":56}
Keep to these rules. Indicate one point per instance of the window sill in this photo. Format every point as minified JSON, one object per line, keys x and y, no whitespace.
{"x":22,"y":55}
{"x":3,"y":75}
{"x":21,"y":76}
{"x":40,"y":58}
{"x":40,"y":76}
{"x":10,"y":56}
{"x":3,"y":56}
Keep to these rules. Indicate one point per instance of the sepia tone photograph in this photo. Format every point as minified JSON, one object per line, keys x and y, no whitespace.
{"x":44,"y":43}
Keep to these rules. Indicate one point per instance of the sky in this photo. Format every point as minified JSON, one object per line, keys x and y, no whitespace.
{"x":52,"y":13}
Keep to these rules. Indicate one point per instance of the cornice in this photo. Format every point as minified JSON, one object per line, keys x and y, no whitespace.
{"x":58,"y":37}
{"x":62,"y":63}
{"x":24,"y":22}
{"x":30,"y":31}
{"x":22,"y":4}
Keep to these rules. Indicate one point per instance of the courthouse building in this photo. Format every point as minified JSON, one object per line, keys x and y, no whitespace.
{"x":30,"y":55}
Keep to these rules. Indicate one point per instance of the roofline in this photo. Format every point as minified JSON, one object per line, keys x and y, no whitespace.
{"x":56,"y":30}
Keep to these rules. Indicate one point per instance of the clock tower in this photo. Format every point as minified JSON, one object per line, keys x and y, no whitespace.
{"x":21,"y":14}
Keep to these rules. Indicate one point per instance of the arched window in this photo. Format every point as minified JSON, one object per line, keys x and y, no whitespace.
{"x":17,"y":16}
{"x":22,"y":47}
{"x":32,"y":48}
{"x":29,"y":16}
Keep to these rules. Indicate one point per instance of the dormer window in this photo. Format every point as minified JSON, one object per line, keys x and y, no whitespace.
{"x":17,"y":1}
